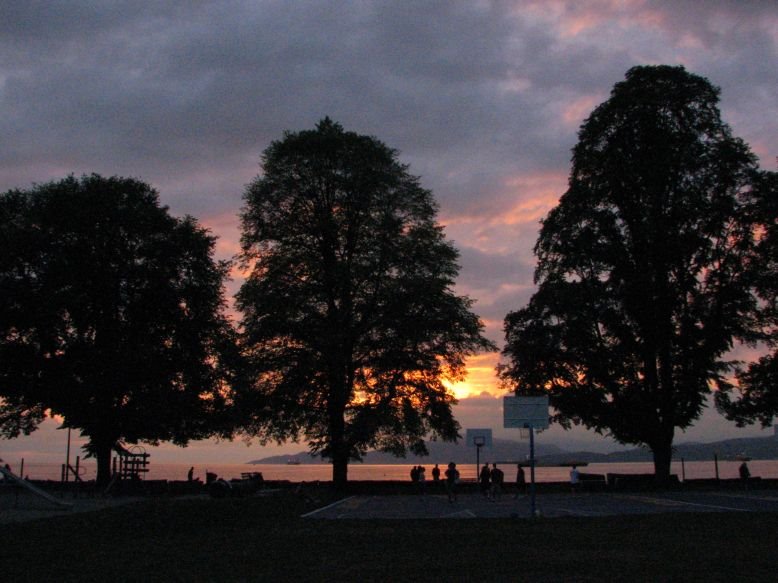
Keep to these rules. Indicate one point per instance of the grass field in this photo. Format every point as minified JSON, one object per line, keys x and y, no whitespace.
{"x":264,"y":539}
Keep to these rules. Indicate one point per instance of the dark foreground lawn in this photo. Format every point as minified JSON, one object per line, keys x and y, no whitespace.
{"x":263,"y":539}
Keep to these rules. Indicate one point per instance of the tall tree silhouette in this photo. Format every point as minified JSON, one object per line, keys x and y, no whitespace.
{"x":111,"y":316}
{"x":642,"y":284}
{"x":350,"y":322}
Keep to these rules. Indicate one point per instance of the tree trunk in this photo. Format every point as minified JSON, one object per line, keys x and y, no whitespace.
{"x":340,"y":469}
{"x":103,"y":455}
{"x":339,"y":449}
{"x":663,"y":455}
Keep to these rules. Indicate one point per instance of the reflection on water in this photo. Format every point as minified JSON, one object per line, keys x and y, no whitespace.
{"x":323,"y":472}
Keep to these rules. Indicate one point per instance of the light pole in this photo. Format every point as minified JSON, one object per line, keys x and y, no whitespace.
{"x":478,"y":441}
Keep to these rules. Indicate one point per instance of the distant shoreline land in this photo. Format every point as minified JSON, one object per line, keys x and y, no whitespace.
{"x":765,"y":448}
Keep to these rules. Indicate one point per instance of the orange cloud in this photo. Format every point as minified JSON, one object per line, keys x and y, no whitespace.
{"x":481,"y":377}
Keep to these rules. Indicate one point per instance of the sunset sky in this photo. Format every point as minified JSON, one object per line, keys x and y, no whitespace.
{"x":482,"y":100}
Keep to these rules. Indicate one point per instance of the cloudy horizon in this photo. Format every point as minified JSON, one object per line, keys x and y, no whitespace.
{"x":482,"y":100}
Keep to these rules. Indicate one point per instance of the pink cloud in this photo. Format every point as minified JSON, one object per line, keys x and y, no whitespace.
{"x":532,"y":195}
{"x":578,"y":110}
{"x":225,"y":226}
{"x":573,"y":19}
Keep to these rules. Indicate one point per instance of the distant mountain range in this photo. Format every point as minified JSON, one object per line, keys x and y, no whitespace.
{"x":504,"y":450}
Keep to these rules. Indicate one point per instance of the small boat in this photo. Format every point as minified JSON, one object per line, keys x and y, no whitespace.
{"x":292,"y":462}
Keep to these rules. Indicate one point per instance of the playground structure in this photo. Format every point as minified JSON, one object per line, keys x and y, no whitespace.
{"x":130,"y":464}
{"x":20,"y":482}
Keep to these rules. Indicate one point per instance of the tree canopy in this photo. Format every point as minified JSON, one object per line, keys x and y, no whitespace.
{"x":350,"y":321}
{"x":643,"y":279}
{"x":111,"y":316}
{"x":756,"y":386}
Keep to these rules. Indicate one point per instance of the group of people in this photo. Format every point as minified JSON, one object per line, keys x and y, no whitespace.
{"x":492,"y":481}
{"x":450,"y":478}
{"x":419,"y":474}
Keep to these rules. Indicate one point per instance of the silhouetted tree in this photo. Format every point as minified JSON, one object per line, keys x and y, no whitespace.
{"x":757,"y":385}
{"x":350,"y":321}
{"x":111,"y":316}
{"x":642,"y":285}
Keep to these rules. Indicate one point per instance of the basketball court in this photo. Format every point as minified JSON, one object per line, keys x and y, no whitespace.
{"x":530,"y":414}
{"x":433,"y":506}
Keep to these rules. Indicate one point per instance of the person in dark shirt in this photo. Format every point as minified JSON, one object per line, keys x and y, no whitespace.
{"x":483,"y":480}
{"x":497,"y":478}
{"x":452,"y":477}
{"x":521,"y":481}
{"x":745,"y":473}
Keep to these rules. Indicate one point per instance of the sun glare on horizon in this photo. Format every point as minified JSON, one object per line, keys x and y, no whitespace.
{"x":481,"y":377}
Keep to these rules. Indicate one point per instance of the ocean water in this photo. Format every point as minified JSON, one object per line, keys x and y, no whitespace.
{"x":323,"y":472}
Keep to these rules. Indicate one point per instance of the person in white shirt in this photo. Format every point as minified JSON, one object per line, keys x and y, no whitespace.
{"x":575,"y":479}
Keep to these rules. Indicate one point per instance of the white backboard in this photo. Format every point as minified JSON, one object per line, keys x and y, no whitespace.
{"x":476,"y":437}
{"x":525,"y":412}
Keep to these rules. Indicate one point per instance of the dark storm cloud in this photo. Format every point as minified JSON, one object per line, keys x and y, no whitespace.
{"x":482,"y":99}
{"x":168,"y":90}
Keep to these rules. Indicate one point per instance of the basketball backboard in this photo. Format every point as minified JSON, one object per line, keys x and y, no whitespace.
{"x":479,"y":438}
{"x":519,"y":411}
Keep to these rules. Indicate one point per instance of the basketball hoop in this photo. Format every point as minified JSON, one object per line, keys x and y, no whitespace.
{"x":528,"y":414}
{"x":520,"y":412}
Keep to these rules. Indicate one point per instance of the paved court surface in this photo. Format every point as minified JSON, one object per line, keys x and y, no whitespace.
{"x":549,"y":505}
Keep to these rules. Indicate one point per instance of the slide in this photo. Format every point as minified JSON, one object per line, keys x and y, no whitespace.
{"x":11,"y":477}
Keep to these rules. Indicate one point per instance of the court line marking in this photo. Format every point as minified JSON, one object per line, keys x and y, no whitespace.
{"x":673,"y":502}
{"x":579,"y":512}
{"x":747,"y":497}
{"x":323,"y":508}
{"x":466,"y":513}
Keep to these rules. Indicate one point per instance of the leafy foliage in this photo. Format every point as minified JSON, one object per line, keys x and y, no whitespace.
{"x":350,"y":322}
{"x":111,"y":315}
{"x":642,"y":267}
{"x":757,"y":385}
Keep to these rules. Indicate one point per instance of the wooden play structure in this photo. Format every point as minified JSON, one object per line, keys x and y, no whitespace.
{"x":130,"y":464}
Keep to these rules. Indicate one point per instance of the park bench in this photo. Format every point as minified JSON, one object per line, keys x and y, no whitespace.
{"x":592,"y":481}
{"x":252,"y":476}
{"x":249,"y":483}
{"x":637,"y":481}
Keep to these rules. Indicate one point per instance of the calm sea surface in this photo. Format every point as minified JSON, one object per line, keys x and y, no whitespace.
{"x":307,"y":473}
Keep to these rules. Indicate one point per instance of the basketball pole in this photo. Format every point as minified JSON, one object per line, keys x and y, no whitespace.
{"x":477,"y":460}
{"x":532,"y":469}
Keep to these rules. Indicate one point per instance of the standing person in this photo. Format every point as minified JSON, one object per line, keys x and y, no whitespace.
{"x":575,"y":479}
{"x":483,"y":479}
{"x":497,"y":477}
{"x":421,"y":478}
{"x":190,"y":474}
{"x":452,"y":477}
{"x":436,"y":474}
{"x":521,"y":481}
{"x":414,"y":474}
{"x":745,"y":473}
